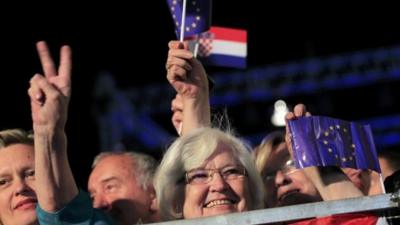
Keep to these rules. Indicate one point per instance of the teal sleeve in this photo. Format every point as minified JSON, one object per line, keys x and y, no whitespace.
{"x":77,"y":212}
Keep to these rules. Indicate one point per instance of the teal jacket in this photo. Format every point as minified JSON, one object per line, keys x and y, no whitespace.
{"x":77,"y":212}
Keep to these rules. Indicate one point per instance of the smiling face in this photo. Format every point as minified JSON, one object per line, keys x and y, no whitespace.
{"x":218,"y":196}
{"x":17,"y":196}
{"x":286,"y":186}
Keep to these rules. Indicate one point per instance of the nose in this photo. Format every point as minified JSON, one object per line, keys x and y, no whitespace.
{"x":218,"y":183}
{"x":22,"y":187}
{"x":101,"y":202}
{"x":281,"y":179}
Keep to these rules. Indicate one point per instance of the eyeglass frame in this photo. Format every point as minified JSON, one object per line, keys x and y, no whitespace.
{"x":210,"y":174}
{"x":287,"y":169}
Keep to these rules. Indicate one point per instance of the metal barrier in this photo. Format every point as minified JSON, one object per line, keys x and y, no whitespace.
{"x":377,"y":203}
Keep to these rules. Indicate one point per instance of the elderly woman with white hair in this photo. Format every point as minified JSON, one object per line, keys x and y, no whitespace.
{"x":205,"y":173}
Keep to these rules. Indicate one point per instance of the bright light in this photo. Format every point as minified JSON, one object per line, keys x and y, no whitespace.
{"x":280,"y":110}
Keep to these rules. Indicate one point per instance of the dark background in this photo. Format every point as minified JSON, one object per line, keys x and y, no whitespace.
{"x":118,"y":38}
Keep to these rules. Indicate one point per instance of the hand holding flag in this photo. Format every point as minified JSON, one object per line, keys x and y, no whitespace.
{"x":187,"y":75}
{"x":324,"y":141}
{"x":184,"y":72}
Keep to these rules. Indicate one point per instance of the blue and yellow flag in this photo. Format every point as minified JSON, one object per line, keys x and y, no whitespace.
{"x":198,"y":16}
{"x":324,"y":141}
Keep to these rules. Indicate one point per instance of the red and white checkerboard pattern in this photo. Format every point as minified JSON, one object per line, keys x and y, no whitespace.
{"x":205,"y":44}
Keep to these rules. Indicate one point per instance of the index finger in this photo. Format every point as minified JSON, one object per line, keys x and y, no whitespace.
{"x":300,"y":110}
{"x":47,"y":62}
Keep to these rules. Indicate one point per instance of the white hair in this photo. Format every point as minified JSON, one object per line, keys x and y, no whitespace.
{"x":190,"y":151}
{"x":143,"y":166}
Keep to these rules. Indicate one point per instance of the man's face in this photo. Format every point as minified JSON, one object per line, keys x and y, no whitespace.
{"x":114,"y":188}
{"x":284,"y":184}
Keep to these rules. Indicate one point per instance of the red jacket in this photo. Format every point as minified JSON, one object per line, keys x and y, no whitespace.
{"x":342,"y":219}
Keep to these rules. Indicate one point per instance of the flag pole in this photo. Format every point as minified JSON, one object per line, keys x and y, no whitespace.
{"x":196,"y":46}
{"x":181,"y":38}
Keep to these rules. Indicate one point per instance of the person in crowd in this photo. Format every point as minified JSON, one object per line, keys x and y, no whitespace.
{"x":60,"y":200}
{"x":284,"y":184}
{"x":207,"y":172}
{"x":121,"y":184}
{"x":327,"y":180}
{"x":17,"y":178}
{"x":287,"y":185}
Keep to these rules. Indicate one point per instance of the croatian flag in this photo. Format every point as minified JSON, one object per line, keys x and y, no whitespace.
{"x":221,"y":46}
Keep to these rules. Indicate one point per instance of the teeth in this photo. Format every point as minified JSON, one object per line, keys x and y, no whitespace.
{"x":218,"y":202}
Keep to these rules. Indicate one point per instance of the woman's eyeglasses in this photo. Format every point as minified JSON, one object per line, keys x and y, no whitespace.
{"x":287,"y":168}
{"x":204,"y":176}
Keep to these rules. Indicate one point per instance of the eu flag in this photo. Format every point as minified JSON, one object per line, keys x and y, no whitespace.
{"x":325,"y":141}
{"x":198,"y":16}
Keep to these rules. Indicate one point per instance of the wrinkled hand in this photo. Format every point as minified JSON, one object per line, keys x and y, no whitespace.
{"x":50,"y":94}
{"x":298,"y":111}
{"x":184,"y":72}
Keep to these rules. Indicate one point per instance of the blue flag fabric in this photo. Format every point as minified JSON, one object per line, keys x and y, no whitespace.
{"x":198,"y":16}
{"x":324,"y":141}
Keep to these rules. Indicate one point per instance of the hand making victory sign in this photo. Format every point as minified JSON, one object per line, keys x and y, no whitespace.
{"x":50,"y":95}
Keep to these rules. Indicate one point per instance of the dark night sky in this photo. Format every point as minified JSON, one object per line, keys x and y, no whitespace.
{"x":115,"y":37}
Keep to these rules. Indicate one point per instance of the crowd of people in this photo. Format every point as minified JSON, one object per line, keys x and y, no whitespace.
{"x":207,"y":171}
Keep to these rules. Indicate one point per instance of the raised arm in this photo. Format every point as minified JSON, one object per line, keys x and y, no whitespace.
{"x":327,"y":180}
{"x":188,"y":77}
{"x":49,"y":96}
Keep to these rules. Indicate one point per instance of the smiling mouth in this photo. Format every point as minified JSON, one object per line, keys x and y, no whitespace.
{"x":218,"y":202}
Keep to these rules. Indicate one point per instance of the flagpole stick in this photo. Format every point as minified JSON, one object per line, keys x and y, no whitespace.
{"x":196,"y":47}
{"x":181,"y":38}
